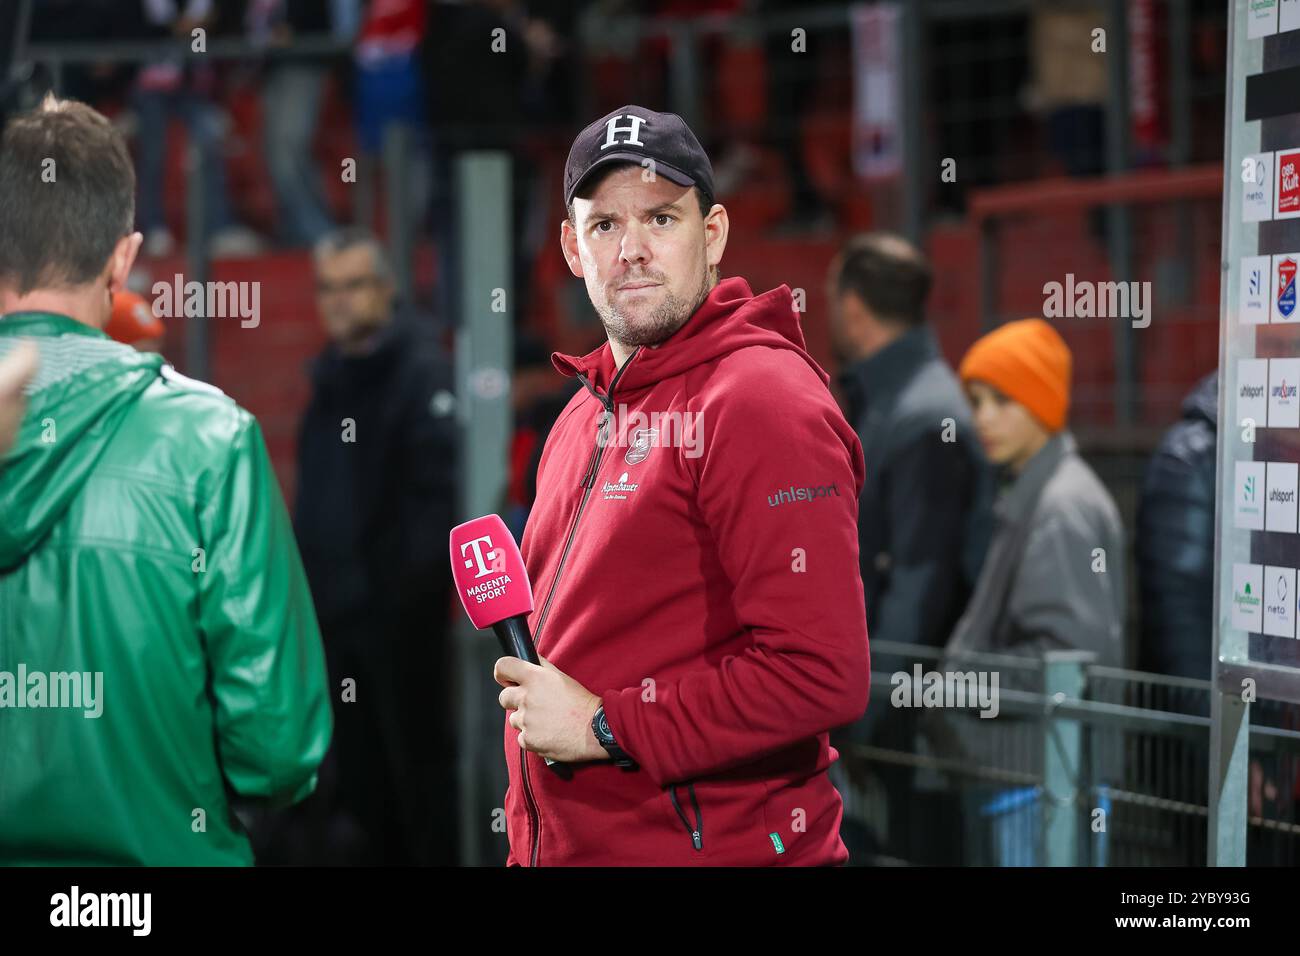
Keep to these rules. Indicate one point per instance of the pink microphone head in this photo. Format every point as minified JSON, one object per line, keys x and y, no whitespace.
{"x":489,"y":571}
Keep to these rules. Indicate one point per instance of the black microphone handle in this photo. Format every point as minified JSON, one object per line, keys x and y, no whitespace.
{"x":517,"y":641}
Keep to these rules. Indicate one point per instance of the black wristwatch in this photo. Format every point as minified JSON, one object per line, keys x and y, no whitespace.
{"x":605,"y":737}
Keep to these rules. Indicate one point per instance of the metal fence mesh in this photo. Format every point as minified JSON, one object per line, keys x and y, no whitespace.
{"x":1130,"y":788}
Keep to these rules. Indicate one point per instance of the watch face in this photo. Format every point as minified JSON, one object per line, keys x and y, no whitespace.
{"x":602,"y":727}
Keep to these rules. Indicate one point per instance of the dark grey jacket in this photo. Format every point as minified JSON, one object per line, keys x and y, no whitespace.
{"x":1042,"y":588}
{"x":923,"y":518}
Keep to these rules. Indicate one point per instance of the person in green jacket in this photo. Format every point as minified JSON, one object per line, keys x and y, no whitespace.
{"x":160,"y":661}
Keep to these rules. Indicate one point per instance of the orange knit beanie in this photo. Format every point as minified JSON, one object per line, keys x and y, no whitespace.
{"x":1027,"y":361}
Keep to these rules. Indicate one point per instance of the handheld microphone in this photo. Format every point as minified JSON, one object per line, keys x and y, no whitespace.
{"x":492,"y":583}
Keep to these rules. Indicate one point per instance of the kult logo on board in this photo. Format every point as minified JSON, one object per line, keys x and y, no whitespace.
{"x":1288,"y":184}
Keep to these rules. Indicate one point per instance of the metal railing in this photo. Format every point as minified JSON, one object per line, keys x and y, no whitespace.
{"x":1100,"y":766}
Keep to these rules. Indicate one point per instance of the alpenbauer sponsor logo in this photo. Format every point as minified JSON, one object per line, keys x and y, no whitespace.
{"x":618,"y":490}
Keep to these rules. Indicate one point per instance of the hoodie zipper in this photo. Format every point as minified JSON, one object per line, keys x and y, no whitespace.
{"x":588,"y":483}
{"x":696,"y":832}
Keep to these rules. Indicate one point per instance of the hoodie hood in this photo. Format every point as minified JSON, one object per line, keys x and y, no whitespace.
{"x":729,"y":319}
{"x":84,"y":387}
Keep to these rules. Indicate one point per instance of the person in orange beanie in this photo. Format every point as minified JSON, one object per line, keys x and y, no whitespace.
{"x":1019,"y":375}
{"x":133,"y":323}
{"x":1053,"y":577}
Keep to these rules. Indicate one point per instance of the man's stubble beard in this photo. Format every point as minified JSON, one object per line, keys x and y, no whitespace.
{"x":666,"y":318}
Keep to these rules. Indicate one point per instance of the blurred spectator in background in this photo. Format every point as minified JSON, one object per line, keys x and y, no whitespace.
{"x":16,"y":370}
{"x":1041,"y":586}
{"x":1175,"y":562}
{"x":522,"y":72}
{"x":1070,"y":83}
{"x":292,"y":95}
{"x":1044,"y":585}
{"x":133,"y":323}
{"x":1175,"y":541}
{"x":184,"y":87}
{"x":1174,"y":551}
{"x":389,"y":92}
{"x":376,"y":502}
{"x":923,"y":524}
{"x":923,"y":516}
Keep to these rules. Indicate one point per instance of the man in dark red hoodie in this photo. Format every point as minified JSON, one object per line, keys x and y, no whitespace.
{"x":693,"y":547}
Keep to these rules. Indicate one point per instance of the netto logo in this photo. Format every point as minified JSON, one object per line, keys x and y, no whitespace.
{"x":1283,"y":609}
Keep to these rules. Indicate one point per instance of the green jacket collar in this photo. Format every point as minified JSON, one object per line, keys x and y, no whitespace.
{"x":44,"y":323}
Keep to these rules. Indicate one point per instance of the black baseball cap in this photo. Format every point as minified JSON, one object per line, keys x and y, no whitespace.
{"x":632,"y":134}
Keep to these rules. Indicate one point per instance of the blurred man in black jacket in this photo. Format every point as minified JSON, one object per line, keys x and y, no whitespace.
{"x":923,"y":518}
{"x":921,"y":524}
{"x":376,"y":499}
{"x":1174,"y":551}
{"x":1175,"y":541}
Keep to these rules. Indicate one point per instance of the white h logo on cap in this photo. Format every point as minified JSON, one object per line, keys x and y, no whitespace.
{"x":612,"y":127}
